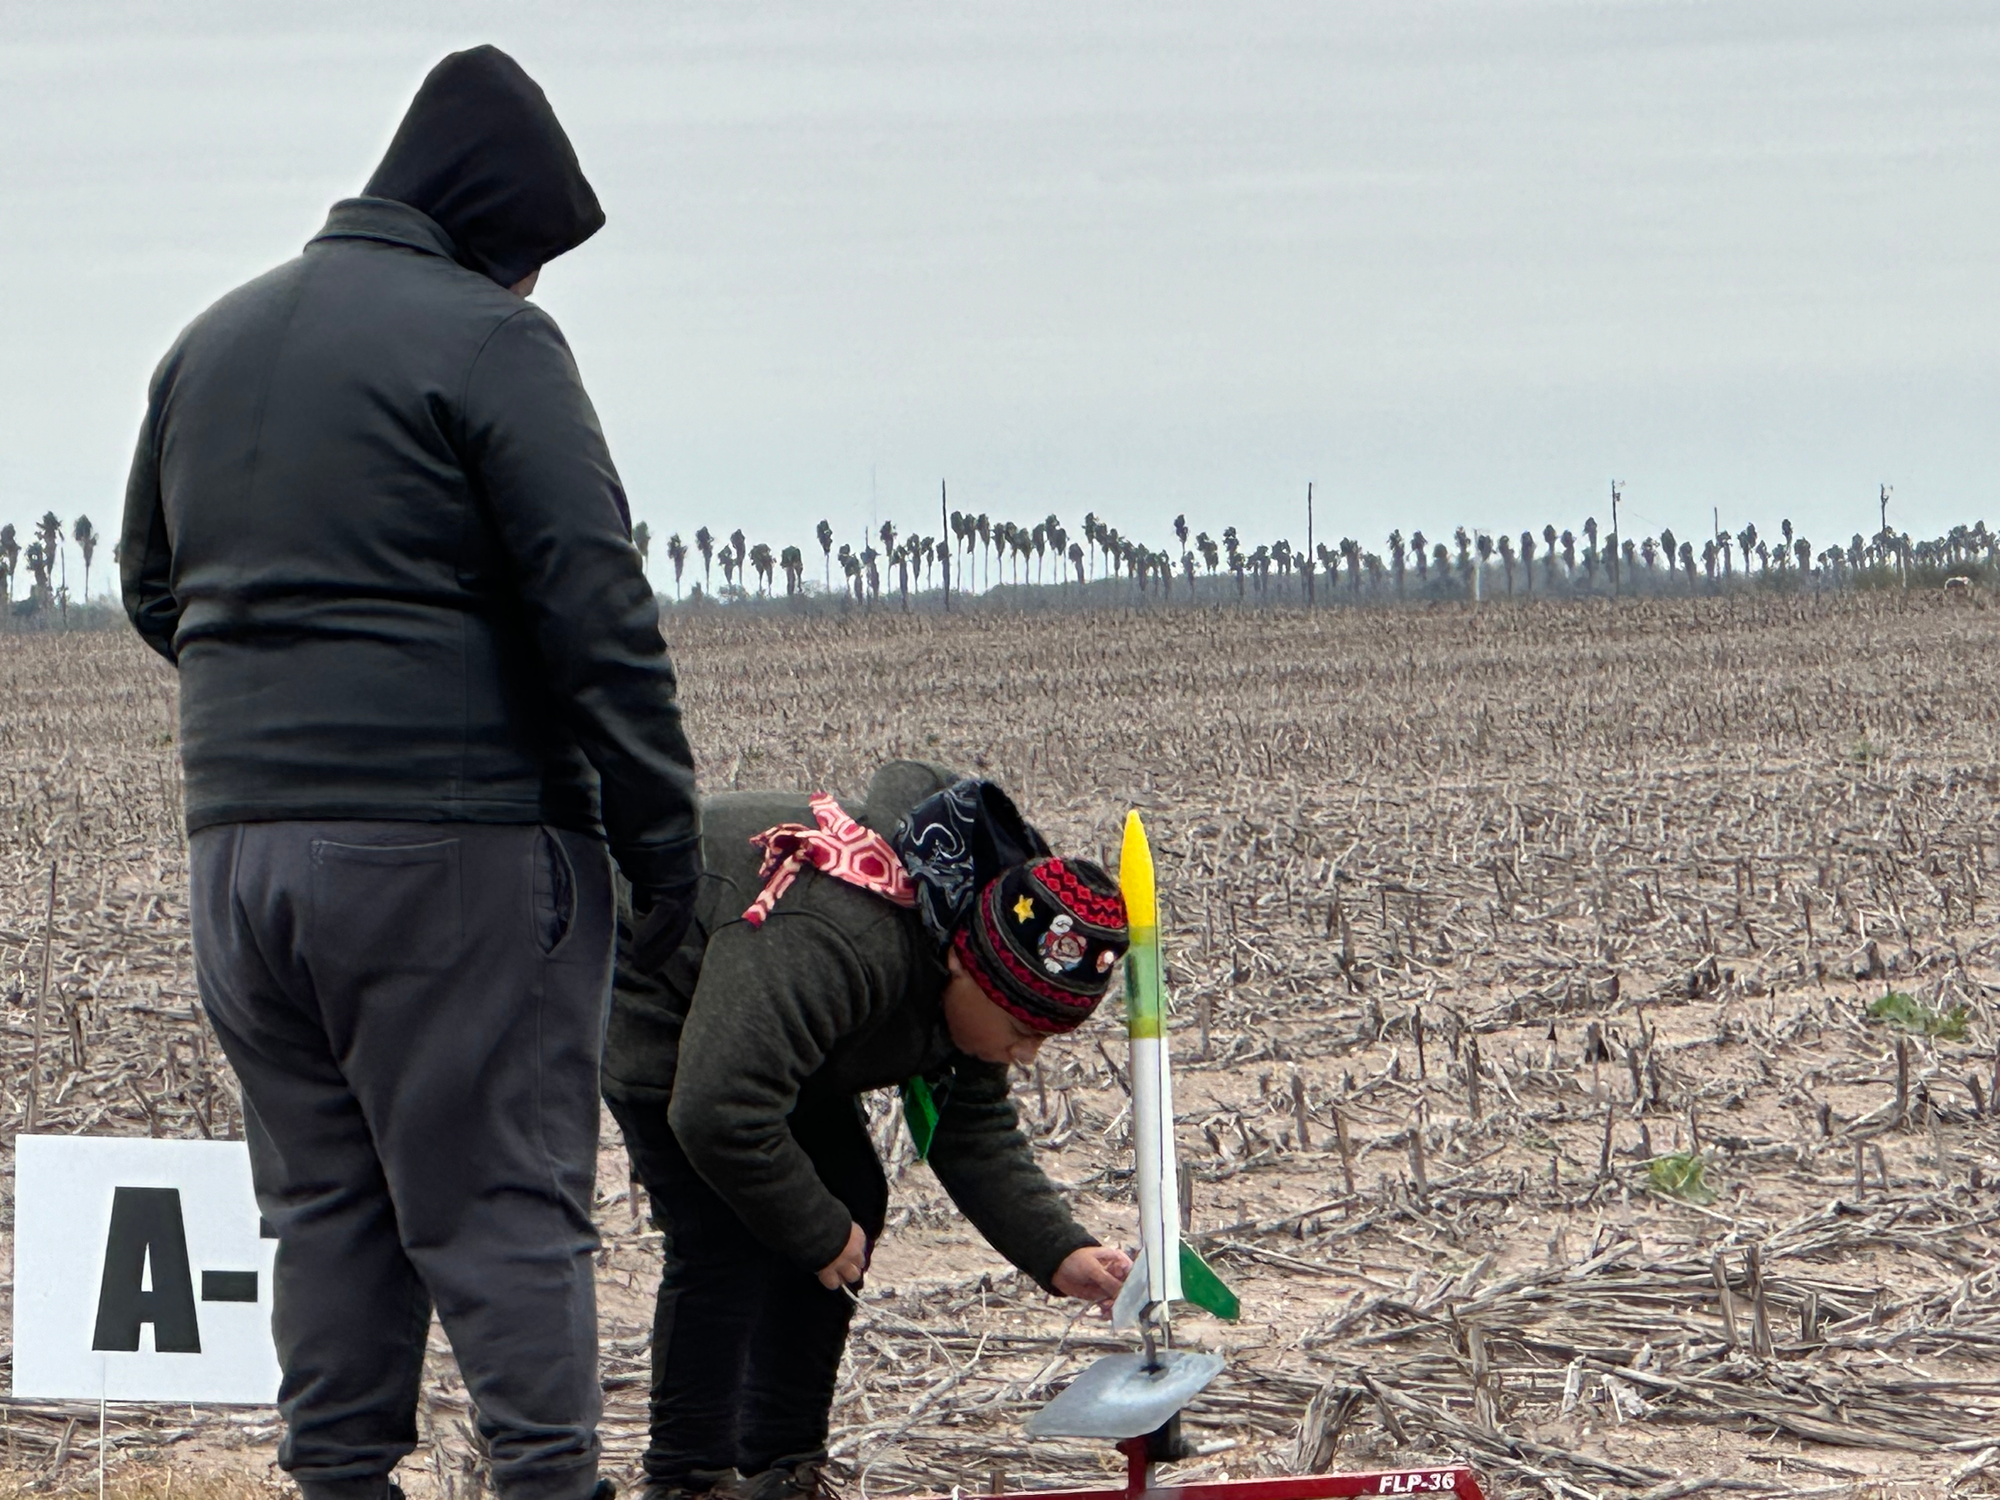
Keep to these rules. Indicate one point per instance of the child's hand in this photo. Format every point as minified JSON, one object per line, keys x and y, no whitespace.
{"x":845,"y":1268}
{"x":1094,"y":1274}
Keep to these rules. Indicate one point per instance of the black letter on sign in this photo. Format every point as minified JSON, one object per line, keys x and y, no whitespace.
{"x":146,"y":1225}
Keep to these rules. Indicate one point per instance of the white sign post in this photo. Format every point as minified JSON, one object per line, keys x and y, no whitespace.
{"x":140,"y":1272}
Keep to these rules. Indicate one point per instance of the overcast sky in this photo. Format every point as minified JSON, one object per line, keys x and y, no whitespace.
{"x":1455,"y":263}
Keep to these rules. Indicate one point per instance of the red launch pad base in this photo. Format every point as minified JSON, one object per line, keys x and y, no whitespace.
{"x":1459,"y":1481}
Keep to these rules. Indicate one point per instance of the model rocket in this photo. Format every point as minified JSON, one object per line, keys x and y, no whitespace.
{"x":1125,"y":1396}
{"x":1168,"y":1269}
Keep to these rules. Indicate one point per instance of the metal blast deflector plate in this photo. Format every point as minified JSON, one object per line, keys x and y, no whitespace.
{"x":1119,"y":1397}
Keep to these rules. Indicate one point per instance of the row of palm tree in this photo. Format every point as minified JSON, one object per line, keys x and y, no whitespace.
{"x":1472,"y":564}
{"x":47,"y":558}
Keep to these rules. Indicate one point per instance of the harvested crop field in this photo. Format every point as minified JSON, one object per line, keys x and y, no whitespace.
{"x":1524,"y":961}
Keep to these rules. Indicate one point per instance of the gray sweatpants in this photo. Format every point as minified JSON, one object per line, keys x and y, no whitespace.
{"x":415,"y":1013}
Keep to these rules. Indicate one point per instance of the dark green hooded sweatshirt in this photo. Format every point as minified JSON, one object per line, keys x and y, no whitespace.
{"x":839,"y":992}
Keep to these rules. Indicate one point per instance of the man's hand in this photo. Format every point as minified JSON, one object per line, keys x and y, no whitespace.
{"x":660,"y":919}
{"x":1094,"y":1274}
{"x":845,"y":1268}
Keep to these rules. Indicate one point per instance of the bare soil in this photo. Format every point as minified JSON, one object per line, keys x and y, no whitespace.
{"x":1530,"y":906}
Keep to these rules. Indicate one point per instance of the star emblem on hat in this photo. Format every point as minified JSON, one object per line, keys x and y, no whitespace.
{"x":1024,"y":909}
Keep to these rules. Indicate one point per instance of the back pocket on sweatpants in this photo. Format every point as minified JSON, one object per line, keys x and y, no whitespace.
{"x":384,"y":909}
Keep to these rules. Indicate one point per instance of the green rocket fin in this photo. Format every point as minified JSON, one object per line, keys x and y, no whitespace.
{"x":1204,"y":1288}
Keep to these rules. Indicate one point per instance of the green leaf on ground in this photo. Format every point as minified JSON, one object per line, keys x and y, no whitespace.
{"x":1680,"y":1176}
{"x":1907,"y":1013}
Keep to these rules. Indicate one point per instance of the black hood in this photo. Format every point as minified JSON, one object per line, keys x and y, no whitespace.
{"x":481,"y":152}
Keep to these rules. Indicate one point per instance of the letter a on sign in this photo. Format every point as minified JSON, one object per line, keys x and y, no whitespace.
{"x":146,"y":1234}
{"x":140,"y":1272}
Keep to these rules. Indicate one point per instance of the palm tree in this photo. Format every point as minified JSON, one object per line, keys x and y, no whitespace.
{"x":983,"y":527}
{"x":888,"y":535}
{"x":1350,"y":551}
{"x":642,"y":538}
{"x":1569,"y":553}
{"x":1528,"y":560}
{"x":55,"y":558}
{"x":728,"y":569}
{"x":961,"y":530}
{"x":677,"y":554}
{"x":1076,"y":561}
{"x":1687,"y":565}
{"x":792,"y":563}
{"x":704,"y":543}
{"x":10,"y":557}
{"x":1396,"y":553}
{"x":1669,"y":546}
{"x":736,"y":541}
{"x":38,"y":569}
{"x":1746,"y":539}
{"x":1549,"y":557}
{"x":1708,"y":556}
{"x":1418,"y":545}
{"x":1507,"y":560}
{"x":762,"y":561}
{"x":825,"y":534}
{"x":86,"y":541}
{"x":1485,"y":553}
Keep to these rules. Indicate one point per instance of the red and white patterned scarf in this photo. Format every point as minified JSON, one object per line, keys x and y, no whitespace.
{"x":839,"y":847}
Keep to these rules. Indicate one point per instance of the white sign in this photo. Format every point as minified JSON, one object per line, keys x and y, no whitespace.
{"x":140,"y":1272}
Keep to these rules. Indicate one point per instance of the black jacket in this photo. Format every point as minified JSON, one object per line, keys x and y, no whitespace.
{"x":373,"y":520}
{"x":749,"y":1028}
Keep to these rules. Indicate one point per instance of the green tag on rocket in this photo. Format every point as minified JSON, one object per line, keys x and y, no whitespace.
{"x":920,"y":1113}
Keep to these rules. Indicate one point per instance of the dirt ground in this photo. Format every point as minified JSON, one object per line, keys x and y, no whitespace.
{"x":1488,"y":931}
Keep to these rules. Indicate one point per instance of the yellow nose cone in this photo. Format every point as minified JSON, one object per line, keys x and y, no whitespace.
{"x":1135,"y":878}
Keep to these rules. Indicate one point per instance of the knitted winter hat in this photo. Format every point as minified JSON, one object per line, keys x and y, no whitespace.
{"x":1042,"y":939}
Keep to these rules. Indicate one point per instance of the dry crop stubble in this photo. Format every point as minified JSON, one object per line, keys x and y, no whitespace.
{"x":1505,"y":917}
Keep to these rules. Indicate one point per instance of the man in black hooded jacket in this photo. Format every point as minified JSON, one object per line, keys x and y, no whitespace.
{"x":373,"y":522}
